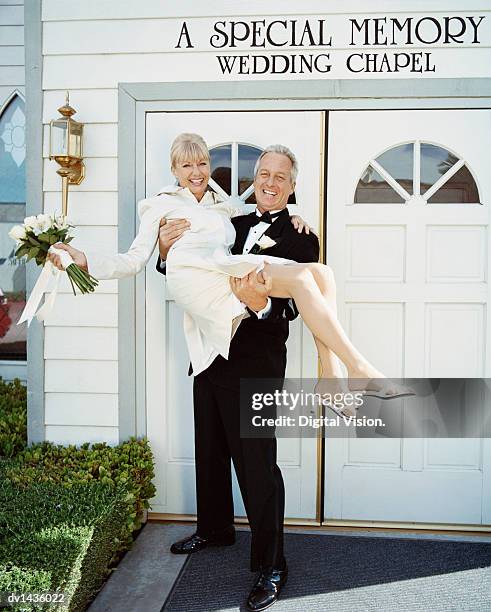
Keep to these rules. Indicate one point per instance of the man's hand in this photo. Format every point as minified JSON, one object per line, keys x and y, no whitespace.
{"x":299,"y":224}
{"x":169,"y":232}
{"x":77,"y":256}
{"x":252,"y":290}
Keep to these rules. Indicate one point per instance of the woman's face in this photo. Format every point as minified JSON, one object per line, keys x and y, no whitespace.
{"x":194,"y":175}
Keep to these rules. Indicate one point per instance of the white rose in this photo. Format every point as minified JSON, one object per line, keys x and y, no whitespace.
{"x":44,"y":222}
{"x":61,"y":222}
{"x":30,"y":222}
{"x":18,"y":232}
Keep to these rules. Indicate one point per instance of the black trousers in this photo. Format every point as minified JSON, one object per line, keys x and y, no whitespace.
{"x":217,"y":440}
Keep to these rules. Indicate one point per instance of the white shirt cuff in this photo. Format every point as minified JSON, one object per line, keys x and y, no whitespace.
{"x":261,"y":314}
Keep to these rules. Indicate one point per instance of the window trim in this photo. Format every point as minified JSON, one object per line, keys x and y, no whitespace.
{"x":9,"y":364}
{"x":10,"y":99}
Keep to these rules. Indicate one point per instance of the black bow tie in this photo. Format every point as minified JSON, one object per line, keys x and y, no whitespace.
{"x":266,"y":217}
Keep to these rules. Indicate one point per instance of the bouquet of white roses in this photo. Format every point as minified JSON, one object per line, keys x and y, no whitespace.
{"x":35,"y":238}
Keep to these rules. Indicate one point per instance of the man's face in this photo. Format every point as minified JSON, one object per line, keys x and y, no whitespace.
{"x":273,"y":184}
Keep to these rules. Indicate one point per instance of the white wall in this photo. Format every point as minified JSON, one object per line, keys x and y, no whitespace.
{"x":11,"y":48}
{"x":89,"y":47}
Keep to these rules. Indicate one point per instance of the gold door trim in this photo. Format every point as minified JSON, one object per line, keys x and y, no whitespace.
{"x":322,"y":240}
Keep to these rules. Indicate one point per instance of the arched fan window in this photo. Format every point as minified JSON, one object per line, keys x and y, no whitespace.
{"x":232,"y":171}
{"x":12,"y":211}
{"x":417,"y":170}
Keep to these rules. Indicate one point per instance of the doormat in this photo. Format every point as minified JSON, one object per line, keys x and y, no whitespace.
{"x":344,"y":574}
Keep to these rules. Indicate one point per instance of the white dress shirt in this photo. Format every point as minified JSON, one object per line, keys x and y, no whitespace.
{"x":253,"y":236}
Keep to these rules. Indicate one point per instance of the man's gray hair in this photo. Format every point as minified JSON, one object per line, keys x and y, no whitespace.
{"x":281,"y":150}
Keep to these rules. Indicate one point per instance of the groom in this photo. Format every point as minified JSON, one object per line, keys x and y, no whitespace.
{"x":257,"y":350}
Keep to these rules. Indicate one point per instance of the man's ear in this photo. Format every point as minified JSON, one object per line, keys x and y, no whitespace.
{"x":293,"y":188}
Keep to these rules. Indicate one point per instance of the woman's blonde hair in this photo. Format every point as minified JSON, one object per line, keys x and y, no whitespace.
{"x":189,"y":147}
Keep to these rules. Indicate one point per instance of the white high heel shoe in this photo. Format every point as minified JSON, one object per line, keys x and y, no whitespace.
{"x":383,"y":391}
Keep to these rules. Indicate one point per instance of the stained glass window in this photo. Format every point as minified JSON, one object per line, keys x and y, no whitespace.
{"x":12,"y":212}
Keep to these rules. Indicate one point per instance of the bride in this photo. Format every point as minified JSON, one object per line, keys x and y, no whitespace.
{"x":200,"y":268}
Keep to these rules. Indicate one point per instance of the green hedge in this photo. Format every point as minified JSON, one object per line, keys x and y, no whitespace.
{"x":130,"y":464}
{"x":66,"y":513}
{"x":13,"y":418}
{"x":56,"y":538}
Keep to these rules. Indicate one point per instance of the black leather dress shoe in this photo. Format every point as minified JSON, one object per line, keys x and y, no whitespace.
{"x":266,"y":589}
{"x":195,"y":542}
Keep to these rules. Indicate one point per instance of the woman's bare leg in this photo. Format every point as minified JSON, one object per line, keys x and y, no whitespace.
{"x":324,"y":277}
{"x":298,"y":281}
{"x":331,"y":380}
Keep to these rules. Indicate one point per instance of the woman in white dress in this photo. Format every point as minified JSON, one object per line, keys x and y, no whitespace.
{"x":200,"y":266}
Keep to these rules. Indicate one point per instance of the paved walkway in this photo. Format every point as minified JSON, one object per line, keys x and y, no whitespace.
{"x":145,"y":576}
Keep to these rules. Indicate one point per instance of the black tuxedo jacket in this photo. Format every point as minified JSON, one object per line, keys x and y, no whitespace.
{"x":258,"y":347}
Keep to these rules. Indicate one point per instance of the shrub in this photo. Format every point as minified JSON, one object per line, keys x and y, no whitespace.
{"x":56,"y":538}
{"x":66,"y":512}
{"x":130,"y":464}
{"x":13,"y":417}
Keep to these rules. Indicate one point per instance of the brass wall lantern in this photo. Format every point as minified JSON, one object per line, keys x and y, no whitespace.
{"x":65,"y":147}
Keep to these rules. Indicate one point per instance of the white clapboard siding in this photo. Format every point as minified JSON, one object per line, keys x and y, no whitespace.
{"x":104,"y":286}
{"x":85,"y":207}
{"x":12,"y":75}
{"x":6,"y":92}
{"x":81,"y":343}
{"x":93,"y":105}
{"x":102,"y":238}
{"x":60,"y":10}
{"x":100,"y":139}
{"x":63,"y":434}
{"x":11,"y":15}
{"x":81,"y":376}
{"x":93,"y":310}
{"x":11,"y":2}
{"x":135,"y":36}
{"x":95,"y":409}
{"x":108,"y":70}
{"x":101,"y":175}
{"x":11,"y":35}
{"x":163,"y":35}
{"x":11,"y":56}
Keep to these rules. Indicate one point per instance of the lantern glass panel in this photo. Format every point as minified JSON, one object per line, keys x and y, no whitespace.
{"x":75,"y":140}
{"x":59,"y":140}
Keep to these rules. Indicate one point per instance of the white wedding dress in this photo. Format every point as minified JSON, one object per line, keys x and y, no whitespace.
{"x":198,"y":267}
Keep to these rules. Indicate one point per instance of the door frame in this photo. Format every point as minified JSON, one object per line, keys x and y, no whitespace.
{"x":137,"y":99}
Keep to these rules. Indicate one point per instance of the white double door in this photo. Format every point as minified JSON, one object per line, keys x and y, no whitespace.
{"x":412,"y":261}
{"x":234,"y":138}
{"x":412,"y":274}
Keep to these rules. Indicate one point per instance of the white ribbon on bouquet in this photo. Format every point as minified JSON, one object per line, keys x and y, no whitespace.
{"x":48,"y":279}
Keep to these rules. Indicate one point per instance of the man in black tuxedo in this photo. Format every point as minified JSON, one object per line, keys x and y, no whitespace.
{"x":257,"y":350}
